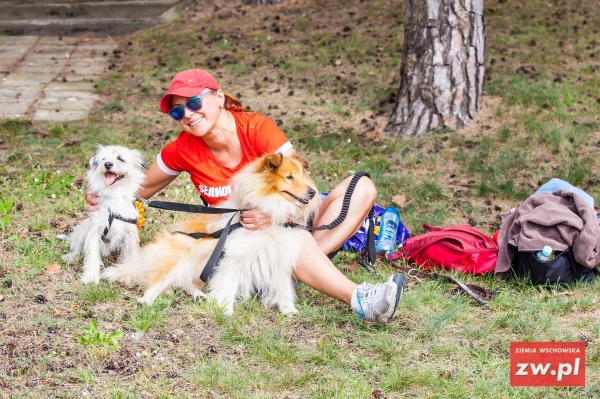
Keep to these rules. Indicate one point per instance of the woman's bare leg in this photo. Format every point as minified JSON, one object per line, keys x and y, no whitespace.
{"x":373,"y":303}
{"x":316,"y":270}
{"x":314,"y":267}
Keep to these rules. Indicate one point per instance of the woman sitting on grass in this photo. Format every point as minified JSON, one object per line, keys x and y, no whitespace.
{"x":220,"y":137}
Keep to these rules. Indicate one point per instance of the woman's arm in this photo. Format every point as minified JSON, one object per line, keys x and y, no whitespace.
{"x":289,"y":153}
{"x":155,"y":181}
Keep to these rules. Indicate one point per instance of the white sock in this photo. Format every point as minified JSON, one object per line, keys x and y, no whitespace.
{"x":354,"y":302}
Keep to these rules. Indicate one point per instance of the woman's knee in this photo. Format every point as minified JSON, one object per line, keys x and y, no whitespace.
{"x":367,"y":192}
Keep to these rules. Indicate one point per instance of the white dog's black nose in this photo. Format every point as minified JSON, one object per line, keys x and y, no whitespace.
{"x":311,"y":192}
{"x":108,"y":165}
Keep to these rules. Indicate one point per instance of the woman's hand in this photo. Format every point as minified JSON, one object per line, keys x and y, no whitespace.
{"x":255,"y":220}
{"x":92,"y":201}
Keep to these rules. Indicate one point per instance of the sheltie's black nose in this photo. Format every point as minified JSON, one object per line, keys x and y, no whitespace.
{"x":311,"y":193}
{"x":108,"y":165}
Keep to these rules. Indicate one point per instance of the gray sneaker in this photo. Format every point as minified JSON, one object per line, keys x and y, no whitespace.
{"x":379,"y":301}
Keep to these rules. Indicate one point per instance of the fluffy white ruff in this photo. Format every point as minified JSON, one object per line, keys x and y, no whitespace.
{"x":255,"y":261}
{"x":259,"y":262}
{"x":116,"y":173}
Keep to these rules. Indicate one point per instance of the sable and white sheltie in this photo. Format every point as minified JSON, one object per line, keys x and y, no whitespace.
{"x":254,"y":260}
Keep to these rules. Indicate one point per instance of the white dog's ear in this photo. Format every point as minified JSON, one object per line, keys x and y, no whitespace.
{"x":140,"y":159}
{"x":93,"y":163}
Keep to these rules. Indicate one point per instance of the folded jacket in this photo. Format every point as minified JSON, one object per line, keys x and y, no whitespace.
{"x":560,"y":219}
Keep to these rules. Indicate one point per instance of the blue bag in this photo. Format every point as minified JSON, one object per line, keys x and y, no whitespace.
{"x":358,"y":241}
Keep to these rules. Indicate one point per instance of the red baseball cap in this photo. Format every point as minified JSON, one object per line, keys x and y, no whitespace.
{"x":188,"y":83}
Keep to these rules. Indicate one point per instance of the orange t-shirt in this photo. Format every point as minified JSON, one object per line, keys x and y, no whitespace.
{"x":258,"y":136}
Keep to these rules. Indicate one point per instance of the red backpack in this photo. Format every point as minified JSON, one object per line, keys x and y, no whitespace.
{"x":461,"y":248}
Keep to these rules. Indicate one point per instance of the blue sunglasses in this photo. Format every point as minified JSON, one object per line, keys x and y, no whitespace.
{"x":193,"y":104}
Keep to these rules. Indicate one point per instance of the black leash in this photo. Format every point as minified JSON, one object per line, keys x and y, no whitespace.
{"x":345,"y":204}
{"x":366,"y":258}
{"x":112,"y":216}
{"x":218,"y":233}
{"x":478,"y":293}
{"x":222,"y":234}
{"x":178,"y":206}
{"x":369,"y":254}
{"x":217,"y":254}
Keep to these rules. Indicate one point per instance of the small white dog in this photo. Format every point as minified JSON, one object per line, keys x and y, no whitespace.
{"x":116,"y":173}
{"x":254,"y":260}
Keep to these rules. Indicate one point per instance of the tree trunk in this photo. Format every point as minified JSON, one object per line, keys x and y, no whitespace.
{"x":261,"y":2}
{"x":441,"y":77}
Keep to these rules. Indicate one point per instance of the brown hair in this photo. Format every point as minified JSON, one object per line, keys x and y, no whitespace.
{"x":233,"y":104}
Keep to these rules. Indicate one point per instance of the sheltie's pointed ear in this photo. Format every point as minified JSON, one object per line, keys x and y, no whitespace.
{"x":272,"y":162}
{"x":302,"y":161}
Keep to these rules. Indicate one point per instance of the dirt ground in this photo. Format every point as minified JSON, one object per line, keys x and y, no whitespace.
{"x":327,"y":73}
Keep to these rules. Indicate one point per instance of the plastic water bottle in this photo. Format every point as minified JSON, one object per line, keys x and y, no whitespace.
{"x":388,"y":229}
{"x":545,"y":255}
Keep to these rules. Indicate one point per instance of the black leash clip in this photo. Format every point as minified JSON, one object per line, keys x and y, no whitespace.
{"x":363,"y":260}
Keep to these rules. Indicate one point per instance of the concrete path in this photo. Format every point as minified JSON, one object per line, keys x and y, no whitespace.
{"x":50,"y":78}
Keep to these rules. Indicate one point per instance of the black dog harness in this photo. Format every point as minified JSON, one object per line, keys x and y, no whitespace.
{"x":366,"y":258}
{"x":112,"y":216}
{"x":222,"y":234}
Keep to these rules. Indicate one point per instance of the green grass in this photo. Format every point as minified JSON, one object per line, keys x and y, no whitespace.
{"x":144,"y":318}
{"x":539,"y":121}
{"x":102,"y":292}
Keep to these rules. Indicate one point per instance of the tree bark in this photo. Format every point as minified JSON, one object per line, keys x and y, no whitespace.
{"x":261,"y":2}
{"x":442,"y":71}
